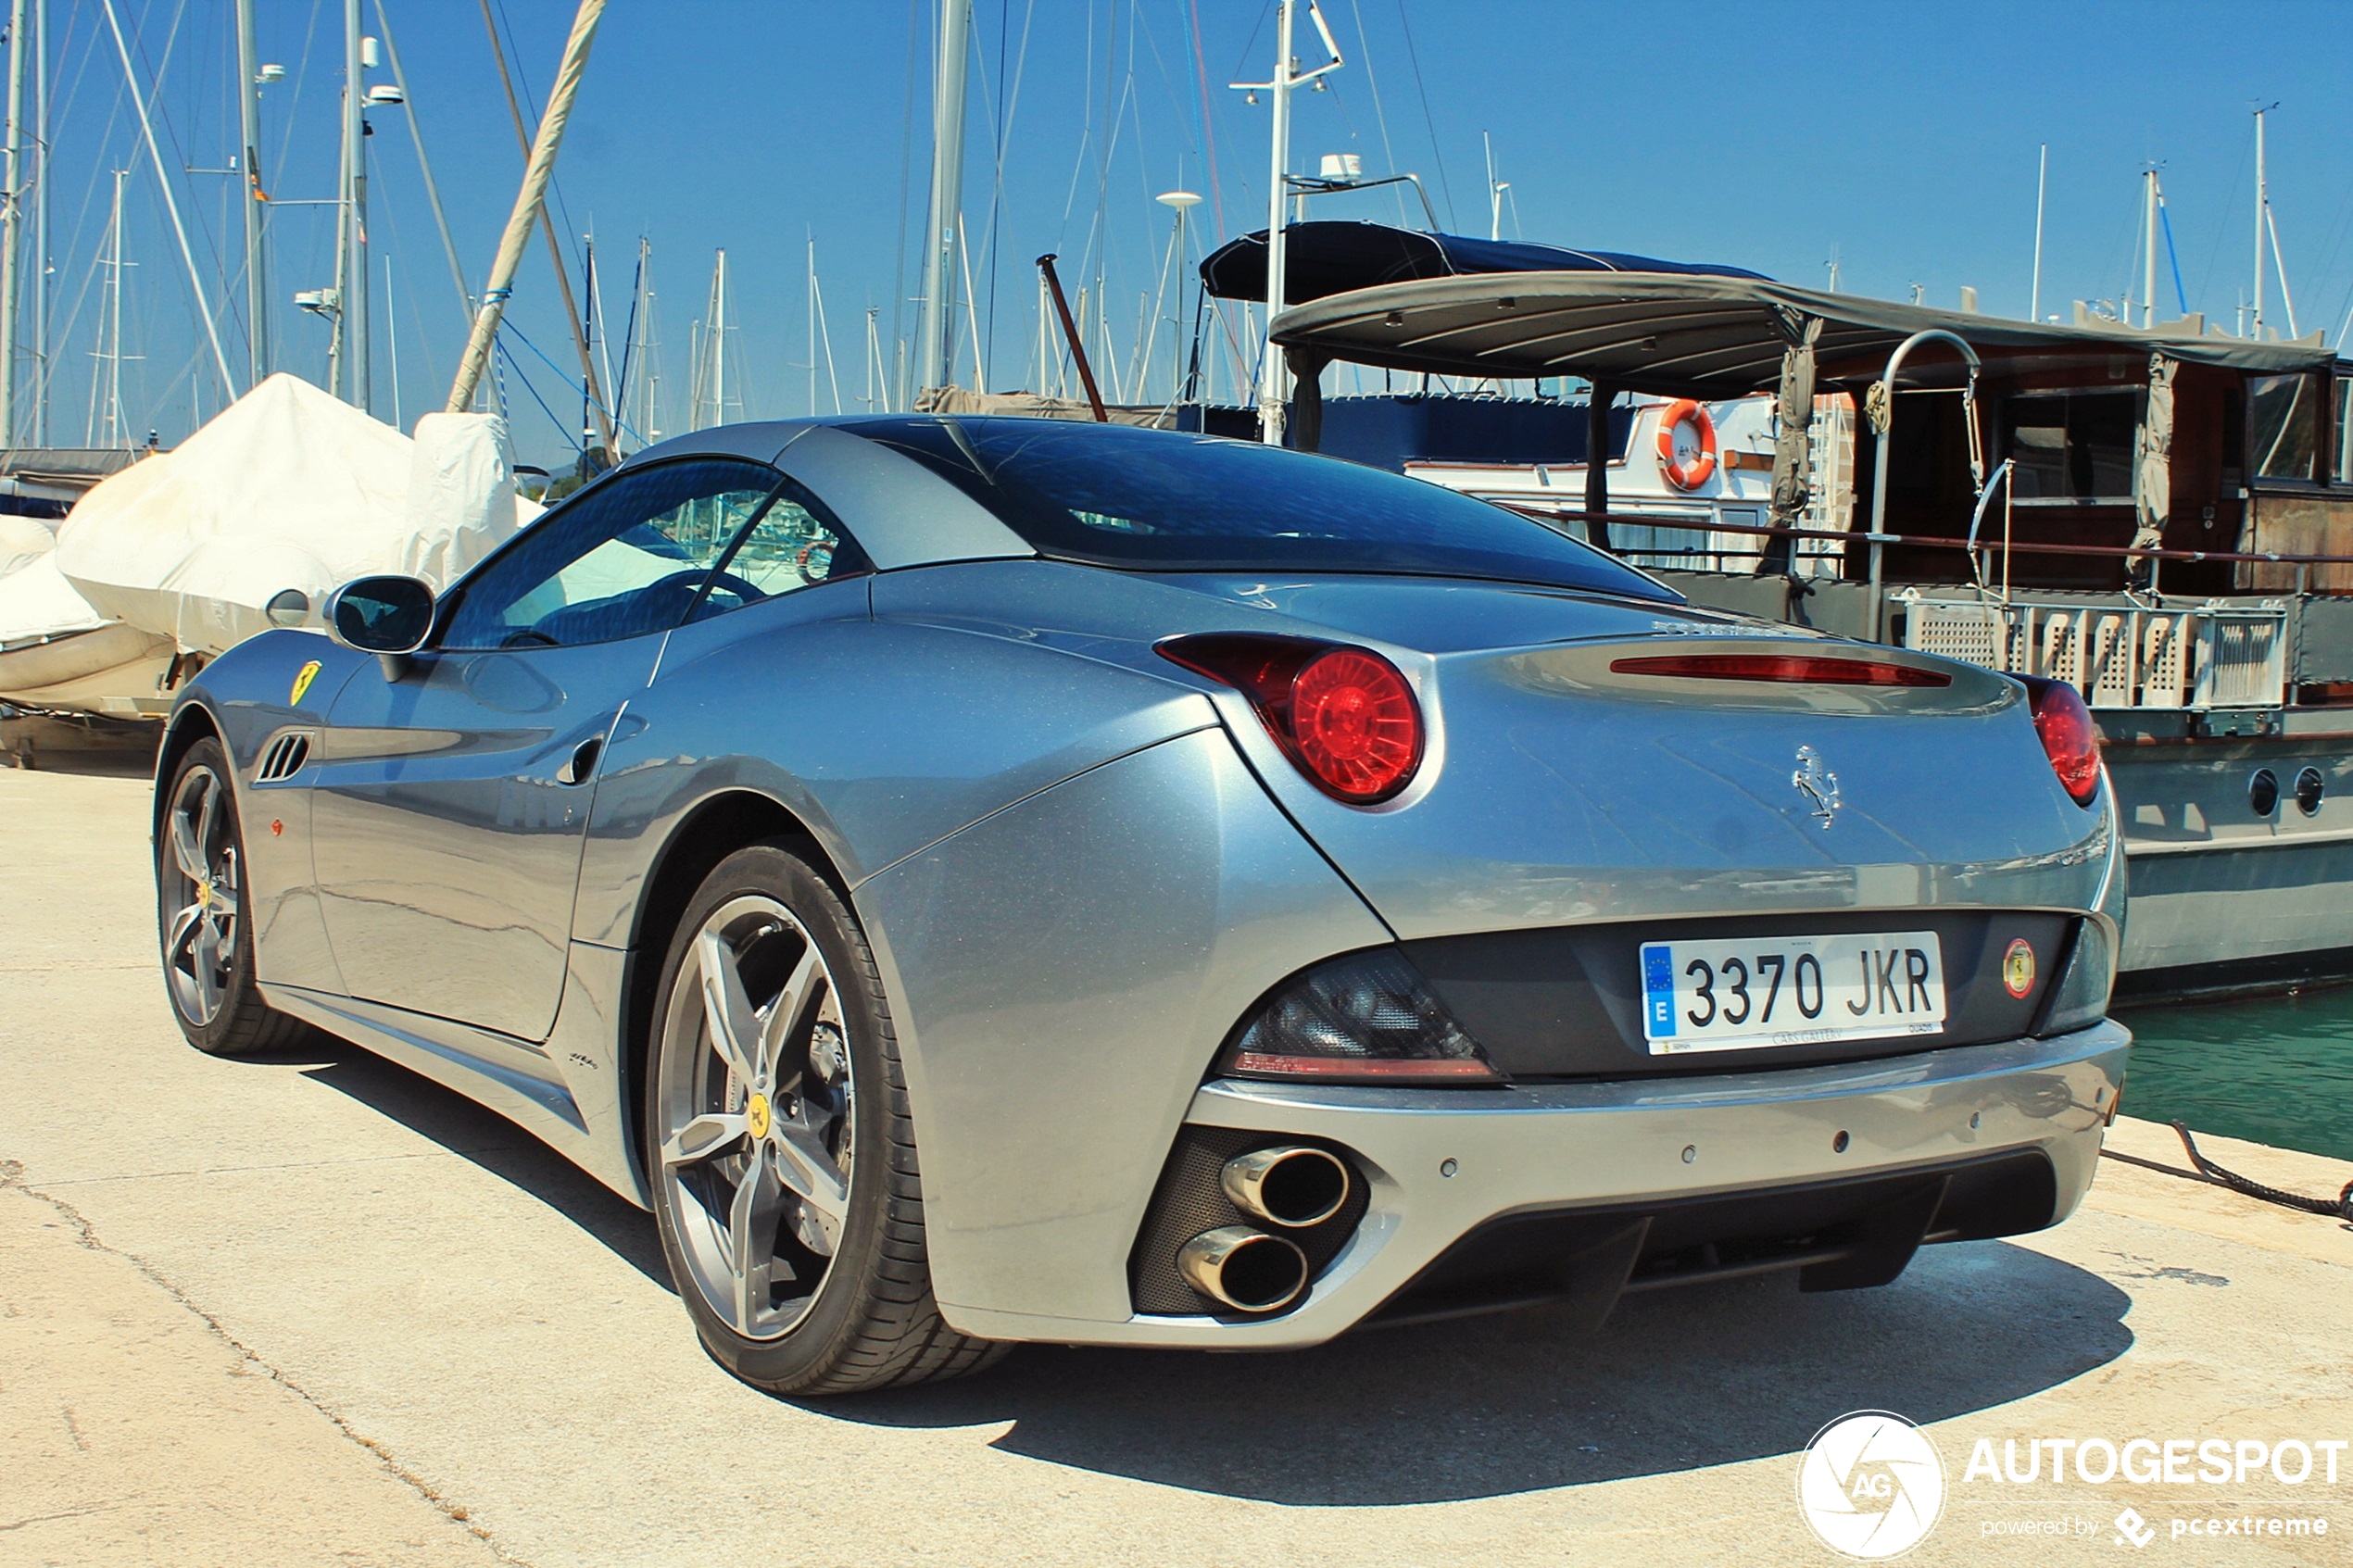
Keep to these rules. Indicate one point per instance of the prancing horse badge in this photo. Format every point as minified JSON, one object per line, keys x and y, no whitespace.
{"x":1817,"y":785}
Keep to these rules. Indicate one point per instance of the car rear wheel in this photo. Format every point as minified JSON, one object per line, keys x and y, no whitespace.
{"x":201,"y":918}
{"x":781,"y":1147}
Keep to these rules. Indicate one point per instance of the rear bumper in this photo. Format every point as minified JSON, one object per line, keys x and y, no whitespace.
{"x":1618,"y":1148}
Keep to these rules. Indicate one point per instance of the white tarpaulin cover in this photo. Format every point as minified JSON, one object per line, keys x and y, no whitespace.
{"x":287,"y":488}
{"x":36,"y":601}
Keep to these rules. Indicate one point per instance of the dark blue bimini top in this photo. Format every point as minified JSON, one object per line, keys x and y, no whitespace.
{"x":1333,"y":257}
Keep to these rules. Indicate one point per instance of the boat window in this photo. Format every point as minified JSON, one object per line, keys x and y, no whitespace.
{"x":627,"y":556}
{"x":2343,"y":443}
{"x":2071,"y":445}
{"x":796,"y":544}
{"x":1150,"y":500}
{"x":2286,"y":415}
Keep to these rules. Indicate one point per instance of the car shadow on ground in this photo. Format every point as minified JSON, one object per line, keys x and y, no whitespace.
{"x":489,"y":1140}
{"x":1487,"y":1407}
{"x":1479,"y":1408}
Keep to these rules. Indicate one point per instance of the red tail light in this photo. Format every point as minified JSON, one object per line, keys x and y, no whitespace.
{"x":1343,"y":715}
{"x":1803,"y":668}
{"x":2068,"y":736}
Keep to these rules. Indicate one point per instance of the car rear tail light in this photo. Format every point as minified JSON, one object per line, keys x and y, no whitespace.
{"x":1798,"y":669}
{"x":1369,"y":1018}
{"x":1345,"y":716}
{"x":2068,"y":736}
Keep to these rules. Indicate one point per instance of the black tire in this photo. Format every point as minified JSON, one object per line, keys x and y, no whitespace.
{"x":870,"y":1320}
{"x":239,"y":1023}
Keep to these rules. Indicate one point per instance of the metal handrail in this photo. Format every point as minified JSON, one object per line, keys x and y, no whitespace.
{"x":2113,"y":551}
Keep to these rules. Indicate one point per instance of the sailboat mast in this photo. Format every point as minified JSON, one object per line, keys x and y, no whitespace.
{"x":2262,"y":200}
{"x":717,"y":337}
{"x":1270,"y":375}
{"x":40,"y":223}
{"x":935,"y":343}
{"x":12,"y":208}
{"x":2148,"y":249}
{"x":392,"y":344}
{"x":2042,"y":184}
{"x":114,"y":317}
{"x":360,"y":388}
{"x":249,"y":138}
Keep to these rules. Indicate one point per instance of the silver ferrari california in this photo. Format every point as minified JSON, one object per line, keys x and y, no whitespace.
{"x":987,"y":880}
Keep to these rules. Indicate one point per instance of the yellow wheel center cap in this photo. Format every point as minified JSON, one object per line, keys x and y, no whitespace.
{"x":204,"y":894}
{"x":756,"y":1116}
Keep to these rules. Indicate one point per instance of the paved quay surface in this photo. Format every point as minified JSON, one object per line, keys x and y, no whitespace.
{"x":315,"y":1310}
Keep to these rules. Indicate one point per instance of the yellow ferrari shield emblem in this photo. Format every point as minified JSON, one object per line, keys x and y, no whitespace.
{"x":2018,"y":967}
{"x":756,"y":1116}
{"x":303,"y":677}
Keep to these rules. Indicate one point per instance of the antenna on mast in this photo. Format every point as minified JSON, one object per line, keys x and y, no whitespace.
{"x":1286,"y":78}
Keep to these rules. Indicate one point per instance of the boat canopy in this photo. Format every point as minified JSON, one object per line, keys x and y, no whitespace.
{"x":1683,"y":333}
{"x":1325,"y":258}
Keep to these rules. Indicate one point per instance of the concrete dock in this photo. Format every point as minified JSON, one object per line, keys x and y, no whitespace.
{"x":314,"y":1309}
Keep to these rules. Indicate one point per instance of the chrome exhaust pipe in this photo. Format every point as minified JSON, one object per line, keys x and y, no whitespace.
{"x":1294,"y":1186}
{"x":1244,"y":1269}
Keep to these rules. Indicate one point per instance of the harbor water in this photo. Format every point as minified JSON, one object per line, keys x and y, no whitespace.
{"x":2276,"y":1070}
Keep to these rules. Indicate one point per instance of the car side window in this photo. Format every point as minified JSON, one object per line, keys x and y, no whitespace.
{"x":795,"y":544}
{"x":630,"y":556}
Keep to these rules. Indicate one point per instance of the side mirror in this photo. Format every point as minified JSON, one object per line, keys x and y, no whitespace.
{"x":390,"y":616}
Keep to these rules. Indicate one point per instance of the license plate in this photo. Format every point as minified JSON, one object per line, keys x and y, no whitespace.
{"x":1752,"y":992}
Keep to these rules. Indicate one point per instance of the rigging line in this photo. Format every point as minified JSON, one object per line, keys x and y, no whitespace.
{"x":294,"y":103}
{"x":992,"y":236}
{"x":1179,"y":115}
{"x":2222,"y":231}
{"x":1438,"y":156}
{"x":547,"y":229}
{"x":1086,"y":139}
{"x":433,"y":191}
{"x":2165,"y":217}
{"x":531,"y":103}
{"x":629,"y":332}
{"x":196,"y":284}
{"x":157,"y":73}
{"x":51,"y":360}
{"x":1380,"y":115}
{"x":1209,"y":135}
{"x":505,"y":328}
{"x":509,"y":356}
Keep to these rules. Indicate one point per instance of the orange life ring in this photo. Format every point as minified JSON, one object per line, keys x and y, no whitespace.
{"x":1694,"y":473}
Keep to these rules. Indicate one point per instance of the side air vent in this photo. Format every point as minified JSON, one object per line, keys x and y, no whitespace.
{"x":284,"y":757}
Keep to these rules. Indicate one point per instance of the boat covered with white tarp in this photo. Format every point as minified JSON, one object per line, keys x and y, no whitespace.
{"x":256,"y":518}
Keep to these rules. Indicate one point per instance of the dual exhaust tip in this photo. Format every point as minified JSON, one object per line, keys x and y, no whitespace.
{"x":1290,"y":1186}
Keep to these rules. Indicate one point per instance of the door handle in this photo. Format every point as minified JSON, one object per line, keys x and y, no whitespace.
{"x":582,"y":763}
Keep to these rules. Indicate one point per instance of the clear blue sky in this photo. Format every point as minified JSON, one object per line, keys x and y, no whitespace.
{"x":1902,"y":139}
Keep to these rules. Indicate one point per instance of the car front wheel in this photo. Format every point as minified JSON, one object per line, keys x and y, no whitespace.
{"x":201,"y":914}
{"x":780,"y":1144}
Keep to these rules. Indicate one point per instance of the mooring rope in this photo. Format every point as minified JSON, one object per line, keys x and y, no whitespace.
{"x":2339,"y":1206}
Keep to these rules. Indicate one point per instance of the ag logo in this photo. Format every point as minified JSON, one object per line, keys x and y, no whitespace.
{"x":1871,"y":1485}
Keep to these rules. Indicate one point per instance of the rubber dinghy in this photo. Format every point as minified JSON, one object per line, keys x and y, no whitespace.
{"x":255,"y":519}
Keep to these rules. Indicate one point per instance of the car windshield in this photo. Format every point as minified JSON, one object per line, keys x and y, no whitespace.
{"x":1161,"y":500}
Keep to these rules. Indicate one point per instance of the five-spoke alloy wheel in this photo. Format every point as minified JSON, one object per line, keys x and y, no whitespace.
{"x":200,"y":894}
{"x":779,"y":1146}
